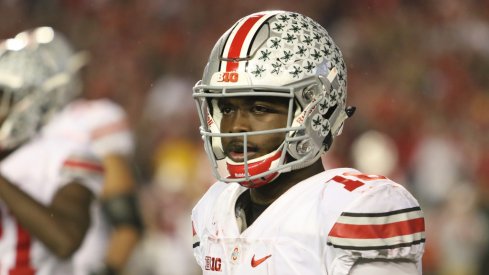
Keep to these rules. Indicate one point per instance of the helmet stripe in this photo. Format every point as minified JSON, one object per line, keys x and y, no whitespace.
{"x":240,"y":39}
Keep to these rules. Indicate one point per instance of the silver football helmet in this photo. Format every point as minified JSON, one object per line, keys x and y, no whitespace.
{"x":38,"y":76}
{"x":275,"y":54}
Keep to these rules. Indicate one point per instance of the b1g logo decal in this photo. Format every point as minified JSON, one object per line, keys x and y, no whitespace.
{"x":228,"y":77}
{"x":212,"y":263}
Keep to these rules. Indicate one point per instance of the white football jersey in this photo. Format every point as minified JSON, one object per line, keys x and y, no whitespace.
{"x":40,"y":168}
{"x":102,"y":125}
{"x":322,"y":225}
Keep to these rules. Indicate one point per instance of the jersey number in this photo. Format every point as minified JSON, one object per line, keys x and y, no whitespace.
{"x":352,"y":184}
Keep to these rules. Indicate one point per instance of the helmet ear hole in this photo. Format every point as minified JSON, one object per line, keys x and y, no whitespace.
{"x":330,"y":111}
{"x":328,"y":141}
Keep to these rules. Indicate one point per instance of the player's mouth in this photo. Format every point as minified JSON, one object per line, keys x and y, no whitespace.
{"x":235,"y":151}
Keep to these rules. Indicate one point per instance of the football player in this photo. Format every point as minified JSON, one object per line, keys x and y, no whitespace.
{"x":116,"y":224}
{"x":271,"y":101}
{"x":47,"y":183}
{"x":102,"y":125}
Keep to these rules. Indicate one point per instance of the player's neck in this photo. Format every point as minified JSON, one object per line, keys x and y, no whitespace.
{"x":268,"y":193}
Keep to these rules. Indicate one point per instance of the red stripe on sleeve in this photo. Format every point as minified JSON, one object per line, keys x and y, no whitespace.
{"x":239,"y":38}
{"x":77,"y":164}
{"x":377,"y":231}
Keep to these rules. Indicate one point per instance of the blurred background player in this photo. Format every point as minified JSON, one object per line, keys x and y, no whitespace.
{"x":102,"y":125}
{"x":47,"y":183}
{"x":271,"y":101}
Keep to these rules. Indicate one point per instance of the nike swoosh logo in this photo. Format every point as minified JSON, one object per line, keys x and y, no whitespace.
{"x":255,"y":263}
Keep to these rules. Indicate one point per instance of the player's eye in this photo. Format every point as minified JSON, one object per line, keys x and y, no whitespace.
{"x":226,"y":109}
{"x":261,"y":109}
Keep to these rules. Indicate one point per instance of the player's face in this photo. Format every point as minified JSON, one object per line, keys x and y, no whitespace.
{"x":246,"y":114}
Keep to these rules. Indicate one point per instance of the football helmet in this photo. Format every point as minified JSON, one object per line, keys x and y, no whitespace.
{"x":274,"y":54}
{"x":38,"y":75}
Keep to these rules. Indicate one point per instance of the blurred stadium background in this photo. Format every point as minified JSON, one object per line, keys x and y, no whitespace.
{"x":418,"y":73}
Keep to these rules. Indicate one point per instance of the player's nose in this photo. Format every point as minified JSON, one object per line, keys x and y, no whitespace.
{"x":240,"y":122}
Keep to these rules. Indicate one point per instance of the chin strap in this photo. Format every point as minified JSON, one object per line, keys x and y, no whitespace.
{"x":261,"y":165}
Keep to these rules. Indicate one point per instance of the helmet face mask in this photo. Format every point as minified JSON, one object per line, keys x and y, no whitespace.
{"x":35,"y":82}
{"x":274,"y":54}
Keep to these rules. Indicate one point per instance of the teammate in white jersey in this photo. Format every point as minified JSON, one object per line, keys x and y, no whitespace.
{"x":271,"y":101}
{"x":102,"y":125}
{"x":47,"y":183}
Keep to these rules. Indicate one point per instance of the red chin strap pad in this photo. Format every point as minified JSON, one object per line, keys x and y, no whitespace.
{"x":237,"y":171}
